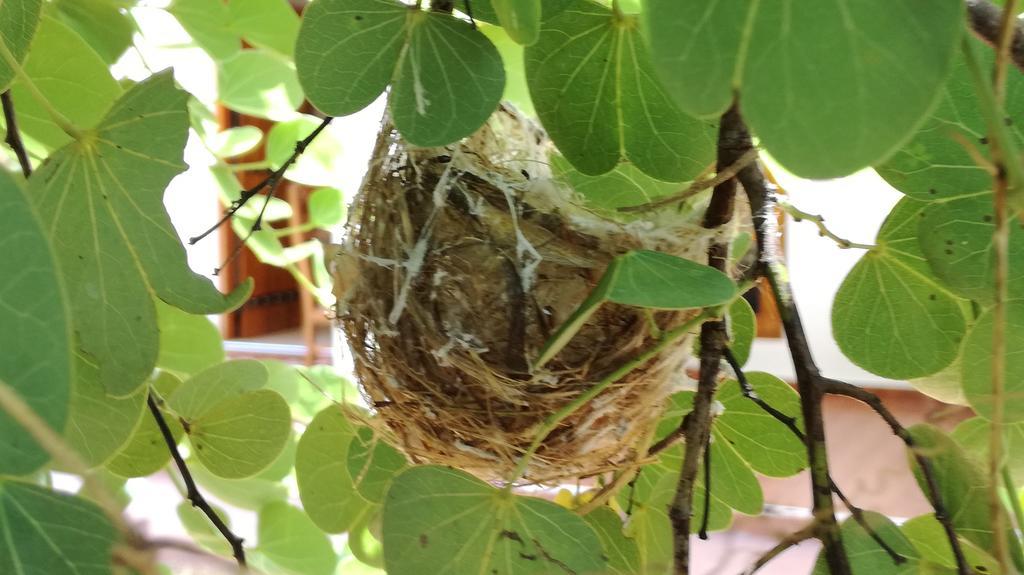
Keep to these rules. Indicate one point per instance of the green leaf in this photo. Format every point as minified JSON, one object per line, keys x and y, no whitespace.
{"x":622,"y":552}
{"x":230,"y":188}
{"x":241,"y":436}
{"x":201,"y":530}
{"x":326,"y":208}
{"x":18,"y":21}
{"x":103,"y":203}
{"x":932,"y":544}
{"x":762,"y":441}
{"x":100,"y":425}
{"x":36,"y":334}
{"x":209,"y":24}
{"x":372,"y":464}
{"x":658,"y":280}
{"x":43,"y":531}
{"x":289,"y":539}
{"x":216,"y":384}
{"x":248,"y":493}
{"x":443,"y":521}
{"x":891,"y":316}
{"x":593,"y":86}
{"x":977,"y":360}
{"x":285,"y":462}
{"x":100,"y":23}
{"x":829,"y":88}
{"x":188,"y":343}
{"x":934,"y":164}
{"x":60,"y":58}
{"x":866,"y":556}
{"x":146,"y":451}
{"x":956,"y":237}
{"x":732,"y":481}
{"x":365,"y":547}
{"x":742,"y":329}
{"x":520,"y":18}
{"x":268,"y":24}
{"x":234,"y":141}
{"x":944,"y":385}
{"x":326,"y":488}
{"x":622,"y":187}
{"x":259,"y":83}
{"x":319,"y":165}
{"x":446,"y":77}
{"x":962,"y":485}
{"x":973,"y":435}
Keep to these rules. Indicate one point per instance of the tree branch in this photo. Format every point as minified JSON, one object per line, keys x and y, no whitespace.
{"x":192,"y":491}
{"x":733,"y":143}
{"x":13,"y":138}
{"x":269,"y":183}
{"x":795,"y":538}
{"x":834,"y":387}
{"x":762,"y":205}
{"x":986,"y":20}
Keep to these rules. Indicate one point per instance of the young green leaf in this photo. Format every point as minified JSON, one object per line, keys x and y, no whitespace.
{"x":60,"y":58}
{"x":326,"y":487}
{"x":520,"y":18}
{"x":932,"y":544}
{"x":516,"y":91}
{"x":146,"y":451}
{"x":593,"y":86}
{"x":956,"y":237}
{"x":289,"y":539}
{"x":326,"y":208}
{"x":259,"y":83}
{"x":234,"y":141}
{"x":866,"y":556}
{"x":742,"y":329}
{"x":265,"y":23}
{"x":102,"y":199}
{"x":976,"y":371}
{"x":440,"y":520}
{"x":891,"y":316}
{"x":43,"y":531}
{"x":36,"y":330}
{"x":100,"y":23}
{"x":829,"y":88}
{"x":319,"y":165}
{"x":446,"y":77}
{"x":241,"y":436}
{"x":100,"y":425}
{"x":622,"y":552}
{"x":209,"y":24}
{"x":18,"y":21}
{"x":215,"y":384}
{"x":973,"y":435}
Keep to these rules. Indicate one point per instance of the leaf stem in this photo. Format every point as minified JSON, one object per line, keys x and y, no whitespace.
{"x":62,"y":122}
{"x":193,"y":494}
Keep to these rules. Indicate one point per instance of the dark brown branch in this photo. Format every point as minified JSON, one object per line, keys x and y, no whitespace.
{"x":13,"y":138}
{"x":732,"y":144}
{"x":191,"y":490}
{"x":750,"y":393}
{"x":269,"y":183}
{"x":986,"y":22}
{"x":795,"y":538}
{"x":703,"y":531}
{"x":834,"y":387}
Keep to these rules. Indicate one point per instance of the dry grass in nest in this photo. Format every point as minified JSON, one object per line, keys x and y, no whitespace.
{"x":459,"y":264}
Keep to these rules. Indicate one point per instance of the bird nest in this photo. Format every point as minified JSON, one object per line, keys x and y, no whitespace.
{"x":458,"y":265}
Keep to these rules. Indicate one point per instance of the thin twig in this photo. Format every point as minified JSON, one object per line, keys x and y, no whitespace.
{"x":726,"y":174}
{"x":986,"y":20}
{"x":192,"y":491}
{"x":800,"y":215}
{"x":13,"y":138}
{"x":790,"y":422}
{"x":269,"y":183}
{"x":835,"y":387}
{"x":808,"y":531}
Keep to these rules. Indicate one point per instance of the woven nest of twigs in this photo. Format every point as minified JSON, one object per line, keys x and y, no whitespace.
{"x":459,"y":263}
